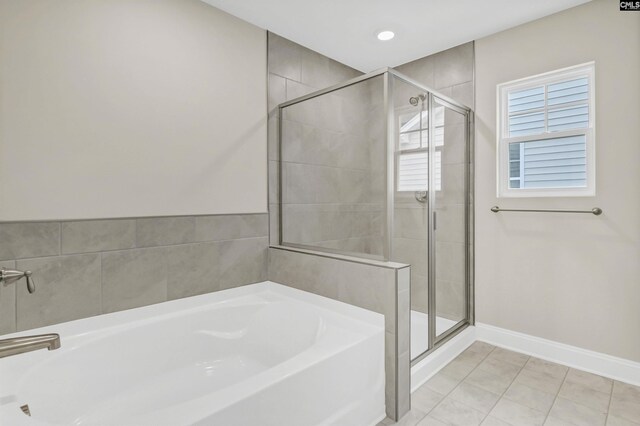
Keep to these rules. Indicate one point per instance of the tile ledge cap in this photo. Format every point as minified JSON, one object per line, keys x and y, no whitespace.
{"x":371,"y":262}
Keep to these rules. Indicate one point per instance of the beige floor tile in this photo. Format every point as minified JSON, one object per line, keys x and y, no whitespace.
{"x":590,"y":380}
{"x":441,"y":383}
{"x":471,"y":356}
{"x":517,"y":390}
{"x":530,"y":397}
{"x":626,"y":391}
{"x":541,"y":381}
{"x":500,"y":368}
{"x":625,"y":408}
{"x":430,"y":421}
{"x":410,"y":419}
{"x":511,"y":357}
{"x":475,"y":397}
{"x":459,"y":368}
{"x":585,"y":396}
{"x":576,"y":414}
{"x":547,"y":367}
{"x":455,"y":413}
{"x":481,"y":347}
{"x":553,"y":421}
{"x":425,"y":399}
{"x":617,"y":421}
{"x":517,"y":414}
{"x":488,"y":381}
{"x":493,"y":421}
{"x":625,"y":402}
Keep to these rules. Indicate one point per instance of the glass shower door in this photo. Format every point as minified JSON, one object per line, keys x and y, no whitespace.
{"x":430,"y":214}
{"x":450,"y":242}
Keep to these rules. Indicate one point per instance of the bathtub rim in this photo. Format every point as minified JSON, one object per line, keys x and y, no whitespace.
{"x":177,"y":307}
{"x":367,"y":323}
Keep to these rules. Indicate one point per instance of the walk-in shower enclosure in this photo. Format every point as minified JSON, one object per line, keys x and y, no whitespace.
{"x":378,"y":167}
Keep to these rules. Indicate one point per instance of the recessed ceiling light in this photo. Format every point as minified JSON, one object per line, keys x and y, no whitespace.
{"x":385,"y":35}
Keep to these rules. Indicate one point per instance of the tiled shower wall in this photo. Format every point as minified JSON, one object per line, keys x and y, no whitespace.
{"x":327,"y":152}
{"x":87,"y":268}
{"x":450,"y":72}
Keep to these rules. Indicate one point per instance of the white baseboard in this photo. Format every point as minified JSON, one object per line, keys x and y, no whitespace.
{"x":425,"y":369}
{"x":571,"y":356}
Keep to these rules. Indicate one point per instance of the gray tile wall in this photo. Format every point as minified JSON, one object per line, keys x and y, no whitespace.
{"x":451,"y":73}
{"x":86,"y":268}
{"x":381,"y":289}
{"x":328,"y":165}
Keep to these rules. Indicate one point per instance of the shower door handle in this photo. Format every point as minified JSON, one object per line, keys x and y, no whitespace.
{"x":434,"y":221}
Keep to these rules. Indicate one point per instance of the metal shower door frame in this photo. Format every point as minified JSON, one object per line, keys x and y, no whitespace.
{"x":433,"y":97}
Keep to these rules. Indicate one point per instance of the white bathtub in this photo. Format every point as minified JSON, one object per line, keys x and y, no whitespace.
{"x":262,"y":354}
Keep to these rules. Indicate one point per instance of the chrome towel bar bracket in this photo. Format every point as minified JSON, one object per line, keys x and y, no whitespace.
{"x":597,"y":211}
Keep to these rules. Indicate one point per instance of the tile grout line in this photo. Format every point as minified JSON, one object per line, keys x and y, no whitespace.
{"x":60,"y":238}
{"x":505,"y":391}
{"x":106,"y":251}
{"x":564,"y":379}
{"x":136,"y":236}
{"x":459,"y":383}
{"x":613,"y":384}
{"x":102,"y":283}
{"x":15,"y":302}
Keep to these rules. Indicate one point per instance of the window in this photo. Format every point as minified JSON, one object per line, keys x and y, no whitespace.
{"x":546,"y":134}
{"x":413,"y":150}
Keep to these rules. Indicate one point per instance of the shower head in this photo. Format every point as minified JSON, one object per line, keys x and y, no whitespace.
{"x":415,"y":100}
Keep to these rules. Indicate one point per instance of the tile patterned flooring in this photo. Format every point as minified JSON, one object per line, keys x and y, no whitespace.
{"x":491,"y":386}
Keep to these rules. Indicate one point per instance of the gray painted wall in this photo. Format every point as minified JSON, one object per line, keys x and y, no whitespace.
{"x":134,"y":103}
{"x":572,"y":279}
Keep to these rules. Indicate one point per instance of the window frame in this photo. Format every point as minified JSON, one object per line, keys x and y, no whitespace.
{"x":503,"y":140}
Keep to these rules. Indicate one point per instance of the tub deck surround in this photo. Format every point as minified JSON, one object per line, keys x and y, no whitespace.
{"x":89,"y":267}
{"x":381,"y":287}
{"x":260,"y":354}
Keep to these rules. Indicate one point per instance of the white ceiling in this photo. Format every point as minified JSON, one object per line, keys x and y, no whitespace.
{"x":345,"y":30}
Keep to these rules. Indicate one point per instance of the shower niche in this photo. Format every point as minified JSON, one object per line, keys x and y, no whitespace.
{"x":378,"y":167}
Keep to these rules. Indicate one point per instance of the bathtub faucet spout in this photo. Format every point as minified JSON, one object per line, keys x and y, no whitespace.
{"x":20,"y":345}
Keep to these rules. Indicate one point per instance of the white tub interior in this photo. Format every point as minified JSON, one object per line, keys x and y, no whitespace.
{"x":219,"y":358}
